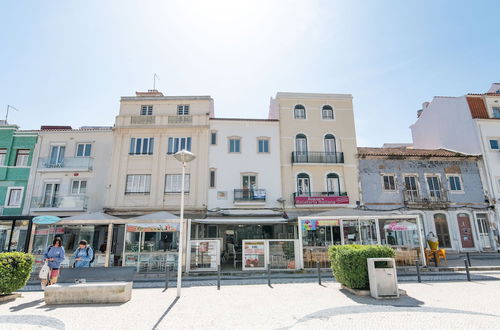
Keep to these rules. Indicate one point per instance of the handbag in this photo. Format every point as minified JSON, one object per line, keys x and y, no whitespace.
{"x":44,"y":272}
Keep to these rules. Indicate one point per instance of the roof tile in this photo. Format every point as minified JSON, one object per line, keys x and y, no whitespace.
{"x":477,"y":108}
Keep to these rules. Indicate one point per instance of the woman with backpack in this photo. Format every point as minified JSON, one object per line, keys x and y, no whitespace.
{"x":54,"y":255}
{"x":84,"y":255}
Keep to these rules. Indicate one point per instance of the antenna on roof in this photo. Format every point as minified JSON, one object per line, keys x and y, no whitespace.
{"x":154,"y":80}
{"x":7,"y":113}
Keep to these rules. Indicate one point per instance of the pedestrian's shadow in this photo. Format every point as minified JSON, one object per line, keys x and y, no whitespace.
{"x":20,"y":307}
{"x":403,"y":301}
{"x":49,"y":308}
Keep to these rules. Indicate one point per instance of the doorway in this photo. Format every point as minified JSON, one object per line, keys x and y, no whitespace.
{"x":442,"y":232}
{"x":465,"y":229}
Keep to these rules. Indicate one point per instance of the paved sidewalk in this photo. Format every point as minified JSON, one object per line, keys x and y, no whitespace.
{"x":457,"y":305}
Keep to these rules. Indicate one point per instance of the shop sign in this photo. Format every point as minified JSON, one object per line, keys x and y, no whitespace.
{"x":400,"y":226}
{"x":321,"y":200}
{"x":153,"y":227}
{"x":47,"y":231}
{"x":254,"y":254}
{"x":313,"y":224}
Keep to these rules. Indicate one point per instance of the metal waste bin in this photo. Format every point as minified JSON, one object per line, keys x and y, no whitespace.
{"x":383,"y":278}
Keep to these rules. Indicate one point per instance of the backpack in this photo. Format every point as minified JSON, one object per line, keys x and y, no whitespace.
{"x":93,"y":255}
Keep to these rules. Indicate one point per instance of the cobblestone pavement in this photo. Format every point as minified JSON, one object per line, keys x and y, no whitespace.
{"x":435,"y":305}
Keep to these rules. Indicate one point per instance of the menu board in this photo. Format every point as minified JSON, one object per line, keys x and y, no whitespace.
{"x":254,"y":254}
{"x":204,"y":255}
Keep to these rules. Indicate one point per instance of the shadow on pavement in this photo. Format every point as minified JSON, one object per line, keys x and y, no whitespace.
{"x":166,"y":312}
{"x":403,"y":301}
{"x":33,"y":320}
{"x":20,"y":307}
{"x":49,"y":308}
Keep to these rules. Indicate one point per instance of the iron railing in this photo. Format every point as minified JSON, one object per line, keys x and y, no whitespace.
{"x":245,"y":195}
{"x":317,"y":157}
{"x":434,"y":196}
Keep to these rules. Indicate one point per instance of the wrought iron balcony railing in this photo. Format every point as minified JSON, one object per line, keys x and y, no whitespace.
{"x":435,"y":196}
{"x":317,"y":157}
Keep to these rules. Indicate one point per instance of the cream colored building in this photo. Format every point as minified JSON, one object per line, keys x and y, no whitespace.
{"x":318,"y":148}
{"x":145,"y":177}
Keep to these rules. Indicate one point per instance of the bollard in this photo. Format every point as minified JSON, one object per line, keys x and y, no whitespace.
{"x":269,"y":274}
{"x":218,"y":277}
{"x":467,"y":269}
{"x":468,"y":259}
{"x":167,"y":277}
{"x":319,"y":272}
{"x":417,"y":264}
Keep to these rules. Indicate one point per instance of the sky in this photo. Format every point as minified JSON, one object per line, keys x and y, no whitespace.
{"x":69,"y":62}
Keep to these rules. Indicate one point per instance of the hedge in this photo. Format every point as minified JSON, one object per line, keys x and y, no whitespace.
{"x":349,"y":263}
{"x":15,"y":269}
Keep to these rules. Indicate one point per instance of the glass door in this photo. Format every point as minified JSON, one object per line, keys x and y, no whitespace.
{"x":442,"y":232}
{"x":333,"y":184}
{"x":301,"y":148}
{"x":434,"y":188}
{"x":51,"y":195}
{"x":484,"y":230}
{"x":248,"y":184}
{"x":303,"y":188}
{"x":411,"y":190}
{"x":57,"y":156}
{"x":330,"y":149}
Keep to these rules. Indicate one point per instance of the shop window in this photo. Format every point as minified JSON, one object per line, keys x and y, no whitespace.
{"x":397,"y":232}
{"x":138,"y":184}
{"x":389,"y":182}
{"x":442,"y":232}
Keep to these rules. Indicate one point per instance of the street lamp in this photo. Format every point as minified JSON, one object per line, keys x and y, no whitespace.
{"x":184,"y":157}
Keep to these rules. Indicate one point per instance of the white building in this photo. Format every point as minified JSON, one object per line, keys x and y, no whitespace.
{"x":468,"y":124}
{"x":69,"y":174}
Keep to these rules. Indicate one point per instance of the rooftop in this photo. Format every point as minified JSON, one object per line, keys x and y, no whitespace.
{"x":290,"y":95}
{"x":410,"y":152}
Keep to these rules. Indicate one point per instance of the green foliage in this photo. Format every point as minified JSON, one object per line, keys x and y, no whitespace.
{"x":15,"y":269}
{"x":349,"y":264}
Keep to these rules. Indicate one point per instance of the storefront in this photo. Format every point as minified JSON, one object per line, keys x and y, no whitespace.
{"x":243,"y":244}
{"x":15,"y":233}
{"x":404,"y":233}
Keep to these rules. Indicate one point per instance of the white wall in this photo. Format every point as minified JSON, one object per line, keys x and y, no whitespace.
{"x":446,"y":123}
{"x":230,"y":166}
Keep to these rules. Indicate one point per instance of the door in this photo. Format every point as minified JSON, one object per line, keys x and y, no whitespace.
{"x":303,"y":187}
{"x":248,"y":184}
{"x":465,"y":229}
{"x":434,"y":188}
{"x":301,"y":148}
{"x":57,"y":155}
{"x":333,"y":184}
{"x":484,"y":230}
{"x":411,"y":190}
{"x":330,"y":149}
{"x":51,"y":195}
{"x":442,"y":232}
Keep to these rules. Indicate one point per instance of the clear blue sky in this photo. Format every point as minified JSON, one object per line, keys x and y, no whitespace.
{"x":68,"y":62}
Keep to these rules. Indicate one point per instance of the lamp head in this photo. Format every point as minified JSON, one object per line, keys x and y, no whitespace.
{"x":184,"y":156}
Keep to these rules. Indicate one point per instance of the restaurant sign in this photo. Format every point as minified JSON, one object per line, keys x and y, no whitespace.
{"x":313,"y":224}
{"x":321,"y":200}
{"x":153,"y":227}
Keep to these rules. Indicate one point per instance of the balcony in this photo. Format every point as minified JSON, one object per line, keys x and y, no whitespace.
{"x":180,"y":120}
{"x":318,"y":157}
{"x":249,"y":195}
{"x":142,"y":120}
{"x":435,"y":198}
{"x":66,"y":164}
{"x":59,"y":203}
{"x":320,"y":198}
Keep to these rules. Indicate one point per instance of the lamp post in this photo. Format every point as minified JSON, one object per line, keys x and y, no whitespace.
{"x":184,"y":157}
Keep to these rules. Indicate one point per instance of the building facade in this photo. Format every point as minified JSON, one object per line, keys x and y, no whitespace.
{"x":318,"y":150}
{"x":443,"y":187}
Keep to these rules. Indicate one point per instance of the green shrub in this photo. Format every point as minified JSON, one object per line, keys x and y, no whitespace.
{"x":15,"y":269}
{"x":349,"y":264}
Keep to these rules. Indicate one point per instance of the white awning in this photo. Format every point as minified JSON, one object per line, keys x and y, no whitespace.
{"x":240,"y":221}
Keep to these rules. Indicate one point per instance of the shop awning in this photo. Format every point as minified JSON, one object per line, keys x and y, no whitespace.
{"x":240,"y":221}
{"x":157,"y":216}
{"x":91,"y":216}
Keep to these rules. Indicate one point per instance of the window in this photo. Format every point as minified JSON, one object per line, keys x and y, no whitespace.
{"x":494,"y":144}
{"x":3,"y":154}
{"x":178,"y":144}
{"x":138,"y":184}
{"x":496,"y":112}
{"x":83,"y":149}
{"x":22,"y":157}
{"x":173,"y":183}
{"x":213,"y":138}
{"x":455,"y":183}
{"x":183,"y":110}
{"x":141,"y":146}
{"x":330,"y":145}
{"x":234,"y":145}
{"x":434,"y":187}
{"x":299,"y":112}
{"x":327,"y":112}
{"x":389,"y":182}
{"x":303,"y":185}
{"x":212,"y":178}
{"x":146,"y":110}
{"x":57,"y":155}
{"x":14,"y":197}
{"x":411,"y":188}
{"x":78,"y":187}
{"x":333,"y":184}
{"x":263,"y":145}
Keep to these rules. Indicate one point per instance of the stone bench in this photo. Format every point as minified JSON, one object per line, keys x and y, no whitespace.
{"x":104,"y":285}
{"x":88,"y":293}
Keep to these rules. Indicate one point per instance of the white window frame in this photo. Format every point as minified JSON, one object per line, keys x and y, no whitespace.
{"x":187,"y":140}
{"x":440,"y":181}
{"x":26,"y":157}
{"x":146,"y":110}
{"x":183,"y":110}
{"x":79,"y":186}
{"x":3,"y":154}
{"x":489,"y":144}
{"x":305,"y":112}
{"x":322,"y":113}
{"x":150,"y":150}
{"x":175,"y":187}
{"x":461,"y":191}
{"x":85,"y":146}
{"x":137,"y":184}
{"x":382,"y":175}
{"x":7,"y":198}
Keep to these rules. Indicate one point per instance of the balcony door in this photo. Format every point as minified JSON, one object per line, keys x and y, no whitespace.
{"x":333,"y":184}
{"x":248,"y":184}
{"x":301,"y":148}
{"x":303,"y":185}
{"x":57,"y":155}
{"x":411,"y":188}
{"x":51,"y":195}
{"x":434,"y":188}
{"x":330,"y":149}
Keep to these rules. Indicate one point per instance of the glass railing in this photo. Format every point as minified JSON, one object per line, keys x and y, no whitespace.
{"x":78,"y":202}
{"x":66,"y":163}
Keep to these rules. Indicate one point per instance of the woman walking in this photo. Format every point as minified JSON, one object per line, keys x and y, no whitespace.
{"x":54,"y":256}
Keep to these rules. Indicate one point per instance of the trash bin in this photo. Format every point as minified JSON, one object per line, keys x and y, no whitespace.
{"x":383,"y":278}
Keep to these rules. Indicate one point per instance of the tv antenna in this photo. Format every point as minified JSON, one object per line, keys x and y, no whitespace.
{"x":7,"y":113}
{"x":154,"y":80}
